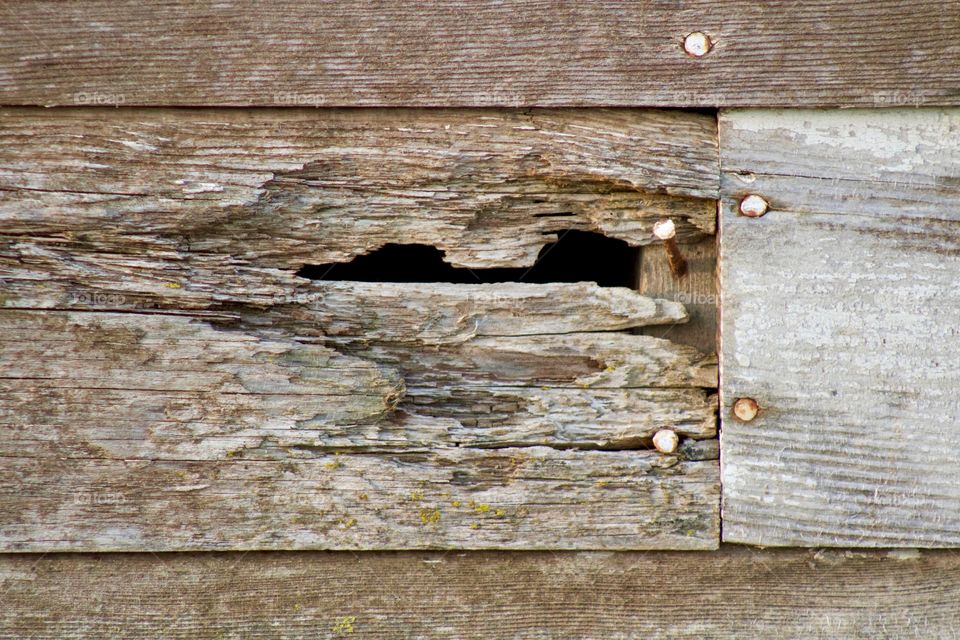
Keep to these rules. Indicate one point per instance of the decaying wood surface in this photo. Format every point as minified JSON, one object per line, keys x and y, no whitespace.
{"x":129,"y":431}
{"x":696,"y":289}
{"x":170,"y":383}
{"x":281,"y":188}
{"x":839,"y":310}
{"x":167,"y":386}
{"x":450,"y":498}
{"x":732,"y":593}
{"x":482,"y":53}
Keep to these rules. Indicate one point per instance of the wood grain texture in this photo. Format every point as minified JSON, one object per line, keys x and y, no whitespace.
{"x":169,"y":383}
{"x":733,"y":593}
{"x":284,"y":188}
{"x":134,"y":431}
{"x":837,"y":318}
{"x":159,"y":386}
{"x":513,"y":53}
{"x":445,"y":498}
{"x":696,"y":289}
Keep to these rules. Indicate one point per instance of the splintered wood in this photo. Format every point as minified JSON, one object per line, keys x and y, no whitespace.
{"x":840,"y":321}
{"x":170,"y":383}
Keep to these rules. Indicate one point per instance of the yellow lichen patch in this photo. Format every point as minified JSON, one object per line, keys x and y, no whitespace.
{"x":456,"y":503}
{"x":416,"y":495}
{"x":482,"y":508}
{"x":349,"y":522}
{"x":344,"y":625}
{"x":429,"y":516}
{"x":364,"y":497}
{"x":500,"y":513}
{"x":172,"y":285}
{"x":474,"y":525}
{"x":333,"y":464}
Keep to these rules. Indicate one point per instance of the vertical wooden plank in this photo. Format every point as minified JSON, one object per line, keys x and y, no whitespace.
{"x":839,"y":317}
{"x":696,"y":290}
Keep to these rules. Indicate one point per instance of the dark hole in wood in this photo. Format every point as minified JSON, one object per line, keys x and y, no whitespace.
{"x":577,"y":256}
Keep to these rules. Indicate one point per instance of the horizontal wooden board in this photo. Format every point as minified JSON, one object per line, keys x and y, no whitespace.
{"x":733,"y":593}
{"x":284,"y":188}
{"x":487,"y":53}
{"x":838,"y":318}
{"x":444,"y":498}
{"x":136,"y":431}
{"x":130,"y":385}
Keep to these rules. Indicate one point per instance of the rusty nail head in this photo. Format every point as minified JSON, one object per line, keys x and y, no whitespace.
{"x":666,"y":441}
{"x":697,"y":44}
{"x":746,"y":409}
{"x":753,"y":206}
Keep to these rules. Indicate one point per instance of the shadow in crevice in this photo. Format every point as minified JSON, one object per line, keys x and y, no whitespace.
{"x":577,"y":256}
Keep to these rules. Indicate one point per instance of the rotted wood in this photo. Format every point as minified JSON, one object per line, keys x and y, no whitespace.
{"x":163,"y":364}
{"x":510,"y":53}
{"x":168,"y":386}
{"x":735,"y":592}
{"x":837,"y":321}
{"x":115,"y":420}
{"x":283,"y":188}
{"x":696,"y":289}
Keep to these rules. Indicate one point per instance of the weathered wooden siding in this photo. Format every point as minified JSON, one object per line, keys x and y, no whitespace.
{"x":283,"y":188}
{"x":696,"y":290}
{"x":170,"y":383}
{"x":732,"y":593}
{"x":490,"y":53}
{"x":839,"y":318}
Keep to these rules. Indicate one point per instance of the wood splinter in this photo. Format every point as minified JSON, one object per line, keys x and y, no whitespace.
{"x":665,"y":230}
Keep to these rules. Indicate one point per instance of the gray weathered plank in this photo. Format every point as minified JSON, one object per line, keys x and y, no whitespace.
{"x":839,"y":309}
{"x":180,"y":209}
{"x":733,"y":593}
{"x":506,"y":53}
{"x":448,"y":498}
{"x":158,"y":386}
{"x":281,"y":188}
